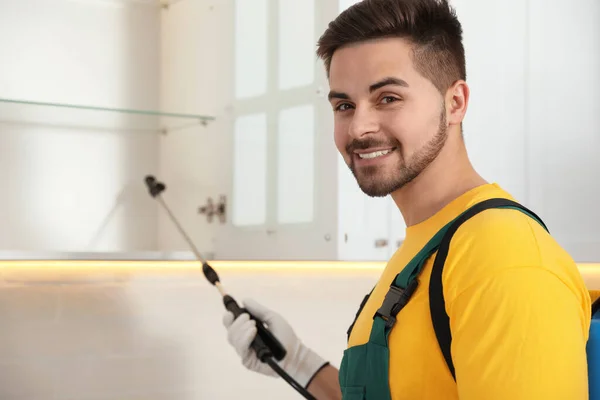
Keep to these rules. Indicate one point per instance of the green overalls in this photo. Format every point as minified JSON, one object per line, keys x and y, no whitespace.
{"x":364,"y":371}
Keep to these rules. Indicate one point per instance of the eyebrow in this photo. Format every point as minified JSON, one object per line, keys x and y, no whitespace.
{"x":377,"y":85}
{"x":386,"y":82}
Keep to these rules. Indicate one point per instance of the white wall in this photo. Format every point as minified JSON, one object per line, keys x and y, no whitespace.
{"x":155,"y":332}
{"x":71,"y":181}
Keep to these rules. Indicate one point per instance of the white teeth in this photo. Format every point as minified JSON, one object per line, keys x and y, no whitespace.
{"x":375,"y":154}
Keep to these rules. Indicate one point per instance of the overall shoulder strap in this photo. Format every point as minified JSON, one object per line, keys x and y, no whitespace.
{"x":595,"y":297}
{"x":360,"y":308}
{"x":439,"y":317}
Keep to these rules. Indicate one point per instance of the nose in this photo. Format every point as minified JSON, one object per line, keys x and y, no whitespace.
{"x":364,"y":122}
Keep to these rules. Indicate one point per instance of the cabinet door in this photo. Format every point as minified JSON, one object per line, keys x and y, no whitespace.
{"x":397,"y":227}
{"x":564,"y":104}
{"x":282,"y":175}
{"x":494,"y":128}
{"x":364,"y":222}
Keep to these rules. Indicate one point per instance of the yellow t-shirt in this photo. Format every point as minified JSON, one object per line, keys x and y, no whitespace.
{"x":519,"y":312}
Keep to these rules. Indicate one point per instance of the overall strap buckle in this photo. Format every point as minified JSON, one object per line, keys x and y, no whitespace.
{"x":395,"y":300}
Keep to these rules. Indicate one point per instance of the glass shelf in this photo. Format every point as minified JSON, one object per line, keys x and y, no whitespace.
{"x":90,"y":118}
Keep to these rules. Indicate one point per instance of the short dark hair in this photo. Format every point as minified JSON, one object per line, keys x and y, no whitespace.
{"x":431,"y":26}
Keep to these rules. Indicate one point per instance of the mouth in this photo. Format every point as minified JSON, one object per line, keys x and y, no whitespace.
{"x":372,"y":156}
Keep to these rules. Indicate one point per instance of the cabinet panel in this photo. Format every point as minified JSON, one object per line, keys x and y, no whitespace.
{"x":296,"y":165}
{"x":251,"y":48}
{"x":296,"y":43}
{"x":250,"y":170}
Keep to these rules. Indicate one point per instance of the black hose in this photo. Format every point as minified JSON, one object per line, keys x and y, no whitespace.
{"x":289,"y":379}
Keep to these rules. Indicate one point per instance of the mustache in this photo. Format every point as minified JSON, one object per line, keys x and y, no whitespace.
{"x":368,"y":143}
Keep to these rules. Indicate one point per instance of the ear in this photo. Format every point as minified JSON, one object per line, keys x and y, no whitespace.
{"x":457,"y":101}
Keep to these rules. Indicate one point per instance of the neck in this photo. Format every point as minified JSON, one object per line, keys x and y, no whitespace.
{"x":449,"y":176}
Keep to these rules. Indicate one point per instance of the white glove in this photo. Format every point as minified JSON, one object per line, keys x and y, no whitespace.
{"x":300,"y":362}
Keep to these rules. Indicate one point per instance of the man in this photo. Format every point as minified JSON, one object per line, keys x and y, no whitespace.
{"x":519,"y":311}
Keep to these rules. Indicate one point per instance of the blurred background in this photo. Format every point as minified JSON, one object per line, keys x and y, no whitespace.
{"x":225,"y":102}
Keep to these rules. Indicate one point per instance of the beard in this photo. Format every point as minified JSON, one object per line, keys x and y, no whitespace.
{"x":379,"y":181}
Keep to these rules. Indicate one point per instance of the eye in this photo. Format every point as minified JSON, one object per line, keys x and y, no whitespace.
{"x":343,"y":107}
{"x":389,"y":99}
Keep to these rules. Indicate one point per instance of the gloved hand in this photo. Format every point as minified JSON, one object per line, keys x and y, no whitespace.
{"x":300,"y":362}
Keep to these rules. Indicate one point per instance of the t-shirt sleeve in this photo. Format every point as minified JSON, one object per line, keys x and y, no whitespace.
{"x":519,"y":334}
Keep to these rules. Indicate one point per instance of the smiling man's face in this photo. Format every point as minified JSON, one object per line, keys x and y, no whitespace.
{"x":390,"y":121}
